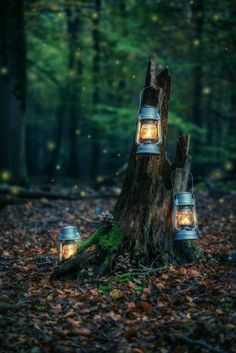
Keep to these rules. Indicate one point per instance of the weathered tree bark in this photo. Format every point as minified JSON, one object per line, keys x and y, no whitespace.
{"x":143,"y":213}
{"x":144,"y":209}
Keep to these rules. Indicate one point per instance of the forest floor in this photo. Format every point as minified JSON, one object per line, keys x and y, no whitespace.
{"x":177,"y":310}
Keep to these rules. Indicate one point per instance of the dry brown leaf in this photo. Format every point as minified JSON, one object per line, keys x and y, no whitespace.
{"x":73,"y":322}
{"x":132,"y":330}
{"x":84,"y":331}
{"x":138,"y":350}
{"x":165,"y":276}
{"x":70,"y":313}
{"x":144,"y":306}
{"x":194,"y":273}
{"x":131,"y":305}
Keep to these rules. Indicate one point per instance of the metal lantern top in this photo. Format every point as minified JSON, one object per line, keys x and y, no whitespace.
{"x":149,"y":112}
{"x":69,"y":233}
{"x":184,"y":198}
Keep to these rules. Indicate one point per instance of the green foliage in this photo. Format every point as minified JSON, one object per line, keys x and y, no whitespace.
{"x":184,"y":126}
{"x":138,"y":289}
{"x":228,"y":186}
{"x":105,"y":288}
{"x":125,"y":277}
{"x":127,"y":35}
{"x":106,"y":263}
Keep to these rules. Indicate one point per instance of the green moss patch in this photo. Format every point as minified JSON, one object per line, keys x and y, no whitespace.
{"x":108,"y":241}
{"x":111,"y":240}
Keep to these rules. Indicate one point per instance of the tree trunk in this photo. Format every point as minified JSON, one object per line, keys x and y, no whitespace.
{"x":74,"y":27}
{"x":142,"y":230}
{"x":96,"y":94}
{"x":198,"y":21}
{"x":58,"y":135}
{"x":12,"y":90}
{"x":144,"y":209}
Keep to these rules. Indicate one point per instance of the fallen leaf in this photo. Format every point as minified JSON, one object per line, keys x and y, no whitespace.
{"x":194,"y":273}
{"x":132,"y":330}
{"x":84,"y":331}
{"x":144,"y":306}
{"x":116,"y":294}
{"x":131,"y":305}
{"x":165,"y":276}
{"x":70,"y":313}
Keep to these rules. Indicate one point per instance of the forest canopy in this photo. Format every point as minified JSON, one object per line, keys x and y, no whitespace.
{"x":81,"y":67}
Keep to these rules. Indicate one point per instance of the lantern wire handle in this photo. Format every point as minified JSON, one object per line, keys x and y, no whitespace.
{"x":141,"y":94}
{"x":172,"y":183}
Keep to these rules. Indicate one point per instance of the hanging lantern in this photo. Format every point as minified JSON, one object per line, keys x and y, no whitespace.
{"x":69,"y":239}
{"x":185,"y":217}
{"x":149,"y":137}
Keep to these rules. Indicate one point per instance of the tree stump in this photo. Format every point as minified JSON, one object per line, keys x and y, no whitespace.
{"x":142,"y":231}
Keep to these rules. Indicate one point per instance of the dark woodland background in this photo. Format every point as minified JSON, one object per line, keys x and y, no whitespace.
{"x":70,"y":76}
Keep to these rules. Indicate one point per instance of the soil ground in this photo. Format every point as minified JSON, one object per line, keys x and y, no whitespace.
{"x":179,"y":310}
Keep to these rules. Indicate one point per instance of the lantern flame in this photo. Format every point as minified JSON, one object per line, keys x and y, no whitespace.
{"x":149,"y":131}
{"x":185,"y":218}
{"x":68,"y":250}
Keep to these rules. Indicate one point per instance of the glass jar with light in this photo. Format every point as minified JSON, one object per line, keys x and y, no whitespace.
{"x":69,"y":239}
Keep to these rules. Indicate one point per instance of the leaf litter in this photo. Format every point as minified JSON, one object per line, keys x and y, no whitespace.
{"x":175,"y":310}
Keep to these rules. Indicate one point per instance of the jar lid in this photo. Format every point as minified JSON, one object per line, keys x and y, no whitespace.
{"x":69,"y":233}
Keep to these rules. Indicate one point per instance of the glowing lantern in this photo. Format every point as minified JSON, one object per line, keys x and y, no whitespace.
{"x":185,"y":217}
{"x":149,"y":137}
{"x":69,"y":239}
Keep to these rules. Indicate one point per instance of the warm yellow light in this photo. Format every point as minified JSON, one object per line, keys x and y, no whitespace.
{"x":148,"y":132}
{"x":185,"y":217}
{"x":68,"y":250}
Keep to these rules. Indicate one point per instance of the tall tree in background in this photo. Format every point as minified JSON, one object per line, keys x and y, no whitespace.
{"x":74,"y":25}
{"x":111,"y":40}
{"x":12,"y":90}
{"x":198,"y":20}
{"x":96,"y":94}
